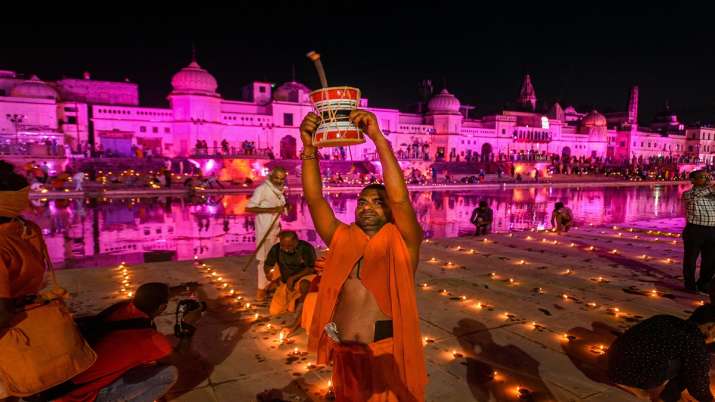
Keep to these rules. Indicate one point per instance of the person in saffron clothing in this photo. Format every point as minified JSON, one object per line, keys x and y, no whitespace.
{"x":366,"y":319}
{"x":22,"y":254}
{"x":22,"y":248}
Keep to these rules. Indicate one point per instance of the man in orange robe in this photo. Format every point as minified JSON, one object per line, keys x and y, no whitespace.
{"x":365,"y":320}
{"x":22,"y":253}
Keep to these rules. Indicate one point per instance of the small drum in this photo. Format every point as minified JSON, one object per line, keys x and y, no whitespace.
{"x":334,"y":105}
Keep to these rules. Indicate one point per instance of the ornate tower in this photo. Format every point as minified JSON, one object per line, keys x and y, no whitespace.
{"x":527,"y":95}
{"x":425,"y":90}
{"x":633,"y":107}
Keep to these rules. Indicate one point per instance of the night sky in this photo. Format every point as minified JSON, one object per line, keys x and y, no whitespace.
{"x":587,"y":56}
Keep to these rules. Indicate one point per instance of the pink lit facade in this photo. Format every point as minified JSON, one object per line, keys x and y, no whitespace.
{"x":60,"y":119}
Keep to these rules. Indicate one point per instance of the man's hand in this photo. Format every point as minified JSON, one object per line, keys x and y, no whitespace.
{"x":192,"y":317}
{"x":184,"y":288}
{"x":190,"y":286}
{"x":307,"y":129}
{"x":268,"y":270}
{"x":367,"y":122}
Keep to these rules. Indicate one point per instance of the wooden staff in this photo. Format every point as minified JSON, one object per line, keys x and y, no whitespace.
{"x":263,"y":240}
{"x":315,"y":57}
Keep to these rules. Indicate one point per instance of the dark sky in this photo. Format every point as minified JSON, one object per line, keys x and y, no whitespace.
{"x":588,"y":56}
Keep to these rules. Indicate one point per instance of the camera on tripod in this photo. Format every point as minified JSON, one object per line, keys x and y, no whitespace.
{"x":183,"y":329}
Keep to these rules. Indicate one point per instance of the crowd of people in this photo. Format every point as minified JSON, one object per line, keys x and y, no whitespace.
{"x":357,"y":306}
{"x":503,"y":169}
{"x":224,"y":148}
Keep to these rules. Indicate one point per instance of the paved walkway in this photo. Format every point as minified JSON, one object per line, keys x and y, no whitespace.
{"x":500,"y":305}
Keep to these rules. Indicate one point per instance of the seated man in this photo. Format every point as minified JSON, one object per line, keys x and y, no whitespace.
{"x":292,"y":262}
{"x":133,"y":358}
{"x":482,"y":218}
{"x":561,"y":218}
{"x":668,"y":349}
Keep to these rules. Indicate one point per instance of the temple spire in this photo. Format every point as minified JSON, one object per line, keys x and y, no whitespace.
{"x":633,"y":107}
{"x":527,"y":95}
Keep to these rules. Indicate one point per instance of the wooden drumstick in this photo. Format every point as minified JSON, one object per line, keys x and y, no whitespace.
{"x":315,"y":57}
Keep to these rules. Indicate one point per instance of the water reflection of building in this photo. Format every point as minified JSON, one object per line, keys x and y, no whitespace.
{"x":96,"y":232}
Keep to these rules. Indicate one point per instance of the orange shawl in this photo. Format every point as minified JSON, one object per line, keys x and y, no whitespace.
{"x":387,"y":273}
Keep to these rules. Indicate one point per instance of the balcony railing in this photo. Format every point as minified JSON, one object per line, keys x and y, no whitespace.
{"x":219,"y":152}
{"x":32,"y":149}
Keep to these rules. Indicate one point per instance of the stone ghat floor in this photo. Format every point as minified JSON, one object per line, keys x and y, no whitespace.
{"x":536,"y":308}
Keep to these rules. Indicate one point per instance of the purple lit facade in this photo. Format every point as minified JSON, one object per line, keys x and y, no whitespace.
{"x":72,"y":118}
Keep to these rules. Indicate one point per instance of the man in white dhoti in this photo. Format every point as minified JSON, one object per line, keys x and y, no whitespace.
{"x":267,"y":203}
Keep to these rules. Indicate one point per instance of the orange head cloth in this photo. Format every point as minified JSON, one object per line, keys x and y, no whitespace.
{"x":388,"y":275}
{"x":12,"y":203}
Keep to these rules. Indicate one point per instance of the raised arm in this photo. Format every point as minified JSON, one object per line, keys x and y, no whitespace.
{"x":323,"y":216}
{"x":397,"y":195}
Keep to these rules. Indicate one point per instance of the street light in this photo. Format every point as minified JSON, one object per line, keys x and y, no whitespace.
{"x":15,"y":119}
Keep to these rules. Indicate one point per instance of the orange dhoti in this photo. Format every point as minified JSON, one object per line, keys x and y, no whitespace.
{"x":391,"y":369}
{"x":308,"y":309}
{"x":367,"y":373}
{"x":284,"y":299}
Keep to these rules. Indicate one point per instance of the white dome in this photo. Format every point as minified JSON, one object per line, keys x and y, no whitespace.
{"x":292,"y":91}
{"x":33,"y":88}
{"x":570,"y":110}
{"x":444,"y":102}
{"x":194,"y":80}
{"x":594,"y":119}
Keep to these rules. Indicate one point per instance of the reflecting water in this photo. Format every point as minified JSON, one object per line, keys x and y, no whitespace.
{"x":94,"y":233}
